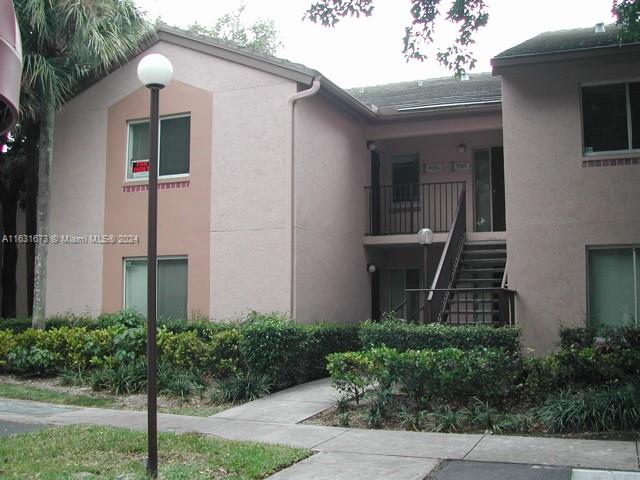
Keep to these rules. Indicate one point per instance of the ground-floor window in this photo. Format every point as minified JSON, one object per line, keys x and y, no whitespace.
{"x":614,"y":286}
{"x":172,"y":286}
{"x":406,"y":304}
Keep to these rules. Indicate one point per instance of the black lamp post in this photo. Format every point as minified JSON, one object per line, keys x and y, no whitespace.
{"x":425,"y":238}
{"x":154,"y":71}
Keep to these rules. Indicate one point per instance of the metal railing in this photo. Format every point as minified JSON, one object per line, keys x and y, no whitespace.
{"x":470,"y":306}
{"x":405,"y":209}
{"x":438,"y":295}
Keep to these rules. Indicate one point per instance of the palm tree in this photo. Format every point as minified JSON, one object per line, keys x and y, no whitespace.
{"x":65,"y":42}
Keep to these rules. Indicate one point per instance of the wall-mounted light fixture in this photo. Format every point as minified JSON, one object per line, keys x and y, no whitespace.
{"x":371,"y":268}
{"x":462,"y":148}
{"x":371,"y":145}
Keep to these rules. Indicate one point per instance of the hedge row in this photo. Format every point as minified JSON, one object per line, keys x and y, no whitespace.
{"x":405,"y":336}
{"x":427,"y":376}
{"x":271,"y":345}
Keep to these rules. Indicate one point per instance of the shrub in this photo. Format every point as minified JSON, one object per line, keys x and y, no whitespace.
{"x":405,"y":336}
{"x":324,"y":339}
{"x":351,"y":372}
{"x":424,"y":376}
{"x":183,"y":350}
{"x":613,"y":407}
{"x":7,"y":344}
{"x":122,"y":318}
{"x":576,"y":337}
{"x":245,"y":386}
{"x":273,"y":345}
{"x":126,"y":378}
{"x":31,"y":361}
{"x":179,"y":383}
{"x":592,"y":366}
{"x":225,"y":357}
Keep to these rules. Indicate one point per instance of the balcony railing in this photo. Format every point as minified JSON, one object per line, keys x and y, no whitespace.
{"x":405,"y":209}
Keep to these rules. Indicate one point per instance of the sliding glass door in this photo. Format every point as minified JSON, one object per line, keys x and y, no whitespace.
{"x":614,"y":287}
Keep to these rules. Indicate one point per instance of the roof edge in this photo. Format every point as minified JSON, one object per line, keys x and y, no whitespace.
{"x":498,"y":63}
{"x":246,"y":58}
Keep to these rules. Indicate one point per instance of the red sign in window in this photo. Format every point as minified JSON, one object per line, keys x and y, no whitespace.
{"x":139,"y":168}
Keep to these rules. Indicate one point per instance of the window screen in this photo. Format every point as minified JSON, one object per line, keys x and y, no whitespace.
{"x":604,"y":111}
{"x":172,"y":287}
{"x":405,"y":177}
{"x":174,"y":145}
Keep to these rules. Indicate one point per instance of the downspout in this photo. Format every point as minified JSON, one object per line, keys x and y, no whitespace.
{"x":315,"y":87}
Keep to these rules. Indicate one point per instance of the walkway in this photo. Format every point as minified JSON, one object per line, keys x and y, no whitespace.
{"x":346,"y":453}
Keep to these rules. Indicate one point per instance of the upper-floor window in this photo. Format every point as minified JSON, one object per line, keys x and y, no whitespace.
{"x":405,"y":176}
{"x":173,"y":149}
{"x":611,"y":117}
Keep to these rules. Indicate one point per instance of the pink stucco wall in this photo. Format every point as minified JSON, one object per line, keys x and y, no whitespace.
{"x":183,"y":213}
{"x":249,"y":224}
{"x":332,"y":167}
{"x":556,"y":208}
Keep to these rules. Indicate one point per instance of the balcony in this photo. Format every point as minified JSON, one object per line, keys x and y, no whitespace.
{"x":405,"y":209}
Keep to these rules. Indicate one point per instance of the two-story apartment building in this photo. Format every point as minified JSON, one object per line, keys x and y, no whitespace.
{"x":281,"y":191}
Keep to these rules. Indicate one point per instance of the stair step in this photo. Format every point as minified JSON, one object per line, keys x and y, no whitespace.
{"x":472,"y":312}
{"x":481,"y":245}
{"x":484,"y":252}
{"x":476,"y":301}
{"x":482,"y":270}
{"x":473,"y":261}
{"x":473,"y":280}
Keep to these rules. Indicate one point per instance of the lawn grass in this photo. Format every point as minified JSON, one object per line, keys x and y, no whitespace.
{"x":195,"y":411}
{"x":37,"y":394}
{"x":23,"y":392}
{"x":106,"y":452}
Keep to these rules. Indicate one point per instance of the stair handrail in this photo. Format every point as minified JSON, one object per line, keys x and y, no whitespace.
{"x":504,"y":283}
{"x":443,"y":279}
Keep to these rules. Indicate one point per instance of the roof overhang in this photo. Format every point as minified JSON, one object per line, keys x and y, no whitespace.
{"x":501,"y":63}
{"x":385,"y":114}
{"x":243,"y":57}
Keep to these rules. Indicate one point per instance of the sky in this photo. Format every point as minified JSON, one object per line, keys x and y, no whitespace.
{"x":368,"y":51}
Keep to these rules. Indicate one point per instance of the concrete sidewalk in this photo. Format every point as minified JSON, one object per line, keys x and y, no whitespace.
{"x":344,"y":452}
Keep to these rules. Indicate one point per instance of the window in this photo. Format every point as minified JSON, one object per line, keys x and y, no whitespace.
{"x":614,"y":287}
{"x":405,"y":177}
{"x":174,"y":148}
{"x":172,"y":286}
{"x":611,"y":117}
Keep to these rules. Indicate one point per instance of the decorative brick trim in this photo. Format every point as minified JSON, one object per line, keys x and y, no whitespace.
{"x":161,"y":186}
{"x":610,"y":162}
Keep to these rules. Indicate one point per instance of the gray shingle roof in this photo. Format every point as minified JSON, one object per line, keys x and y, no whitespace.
{"x":432,"y":93}
{"x":565,"y":41}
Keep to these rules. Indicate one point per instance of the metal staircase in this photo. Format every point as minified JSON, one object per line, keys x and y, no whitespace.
{"x":476,"y":289}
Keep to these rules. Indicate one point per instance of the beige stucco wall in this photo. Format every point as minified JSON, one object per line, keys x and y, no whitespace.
{"x":251,"y":182}
{"x":332,"y":167}
{"x":556,"y":208}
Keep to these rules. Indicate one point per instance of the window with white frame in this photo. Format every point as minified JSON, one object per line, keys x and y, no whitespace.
{"x":174,"y":148}
{"x":172,"y":286}
{"x":611,"y":117}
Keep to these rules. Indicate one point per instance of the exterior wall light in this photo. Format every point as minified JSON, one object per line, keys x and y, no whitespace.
{"x":425,"y":236}
{"x":462,"y":148}
{"x":371,"y":268}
